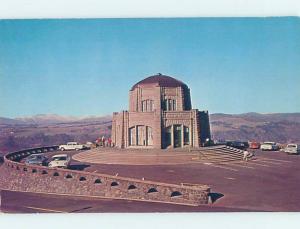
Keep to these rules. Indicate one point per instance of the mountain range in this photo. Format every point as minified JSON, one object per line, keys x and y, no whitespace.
{"x":49,"y":129}
{"x":42,"y":119}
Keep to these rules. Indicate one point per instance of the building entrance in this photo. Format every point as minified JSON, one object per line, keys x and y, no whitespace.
{"x":177,"y":136}
{"x":168,"y":136}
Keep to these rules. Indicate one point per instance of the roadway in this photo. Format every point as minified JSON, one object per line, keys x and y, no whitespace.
{"x":268,"y":183}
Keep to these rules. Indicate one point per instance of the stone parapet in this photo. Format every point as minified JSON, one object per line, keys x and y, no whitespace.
{"x":17,"y":176}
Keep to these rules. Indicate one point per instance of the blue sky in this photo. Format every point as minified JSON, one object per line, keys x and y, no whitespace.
{"x":87,"y":66}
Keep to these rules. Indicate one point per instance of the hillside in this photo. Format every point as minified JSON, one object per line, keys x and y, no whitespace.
{"x":52,"y":129}
{"x":278,"y":127}
{"x":44,"y":130}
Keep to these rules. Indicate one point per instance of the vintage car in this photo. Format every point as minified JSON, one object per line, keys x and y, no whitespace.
{"x":269,"y":146}
{"x":72,"y":146}
{"x":238,"y":144}
{"x":292,"y":149}
{"x":60,"y":161}
{"x":36,"y":159}
{"x":254,"y":145}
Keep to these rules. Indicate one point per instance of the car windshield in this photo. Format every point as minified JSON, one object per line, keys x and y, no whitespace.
{"x":59,"y":158}
{"x":291,"y":146}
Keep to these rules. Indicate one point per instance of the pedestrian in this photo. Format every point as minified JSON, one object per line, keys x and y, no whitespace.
{"x":99,"y":142}
{"x":103,"y":141}
{"x":246,"y":154}
{"x":109,"y":142}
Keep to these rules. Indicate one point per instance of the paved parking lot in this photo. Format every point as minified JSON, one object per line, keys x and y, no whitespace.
{"x":268,"y":183}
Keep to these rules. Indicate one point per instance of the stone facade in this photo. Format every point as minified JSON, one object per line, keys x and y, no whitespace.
{"x":160,"y":116}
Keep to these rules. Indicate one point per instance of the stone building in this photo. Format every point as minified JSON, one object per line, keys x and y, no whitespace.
{"x":160,"y":116}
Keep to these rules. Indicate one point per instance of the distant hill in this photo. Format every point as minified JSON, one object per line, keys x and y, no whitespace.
{"x":52,"y":129}
{"x":42,"y":119}
{"x":41,"y":130}
{"x":9,"y":121}
{"x":278,"y":127}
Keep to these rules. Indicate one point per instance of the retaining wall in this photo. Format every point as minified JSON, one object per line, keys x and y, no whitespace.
{"x":17,"y":176}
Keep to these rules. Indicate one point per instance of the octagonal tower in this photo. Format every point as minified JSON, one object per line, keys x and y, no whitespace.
{"x":160,"y":116}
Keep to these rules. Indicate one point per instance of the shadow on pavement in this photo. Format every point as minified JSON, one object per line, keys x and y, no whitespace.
{"x":78,"y":167}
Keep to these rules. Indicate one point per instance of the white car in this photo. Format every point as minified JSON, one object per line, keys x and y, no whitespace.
{"x":60,"y":161}
{"x":71,"y":146}
{"x":271,"y":146}
{"x":292,"y":149}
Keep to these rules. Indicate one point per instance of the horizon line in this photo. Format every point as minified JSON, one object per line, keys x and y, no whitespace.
{"x":104,"y":115}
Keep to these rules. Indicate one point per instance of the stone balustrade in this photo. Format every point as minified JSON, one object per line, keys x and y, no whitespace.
{"x":17,"y":176}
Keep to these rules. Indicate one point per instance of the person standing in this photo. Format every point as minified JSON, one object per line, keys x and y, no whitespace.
{"x":103,"y":141}
{"x":246,"y":154}
{"x":109,"y":142}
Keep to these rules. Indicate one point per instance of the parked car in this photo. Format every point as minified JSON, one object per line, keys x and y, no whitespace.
{"x":36,"y":159}
{"x":292,"y":149}
{"x":72,"y":146}
{"x":89,"y":145}
{"x":220,"y":142}
{"x":238,"y":144}
{"x":270,"y":146}
{"x":254,"y":145}
{"x":60,"y":161}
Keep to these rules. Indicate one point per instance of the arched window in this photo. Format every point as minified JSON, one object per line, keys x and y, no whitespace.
{"x":132,"y":136}
{"x":82,"y":179}
{"x":114,"y":184}
{"x":97,"y":181}
{"x":149,"y":140}
{"x":44,"y":172}
{"x":69,"y":176}
{"x":152,"y":190}
{"x":140,"y":136}
{"x":56,"y":174}
{"x":176,"y":193}
{"x":131,"y":187}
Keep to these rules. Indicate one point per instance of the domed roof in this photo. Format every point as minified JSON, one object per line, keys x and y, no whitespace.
{"x":160,"y":80}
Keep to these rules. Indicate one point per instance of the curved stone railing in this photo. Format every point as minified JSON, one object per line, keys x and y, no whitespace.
{"x":18,"y":176}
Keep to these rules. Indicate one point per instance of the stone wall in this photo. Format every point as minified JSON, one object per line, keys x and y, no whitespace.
{"x":17,"y":176}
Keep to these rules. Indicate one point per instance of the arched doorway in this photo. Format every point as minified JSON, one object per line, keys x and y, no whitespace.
{"x":140,"y":136}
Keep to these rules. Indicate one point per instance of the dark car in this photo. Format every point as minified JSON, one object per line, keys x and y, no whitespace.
{"x":238,"y":144}
{"x":36,"y":159}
